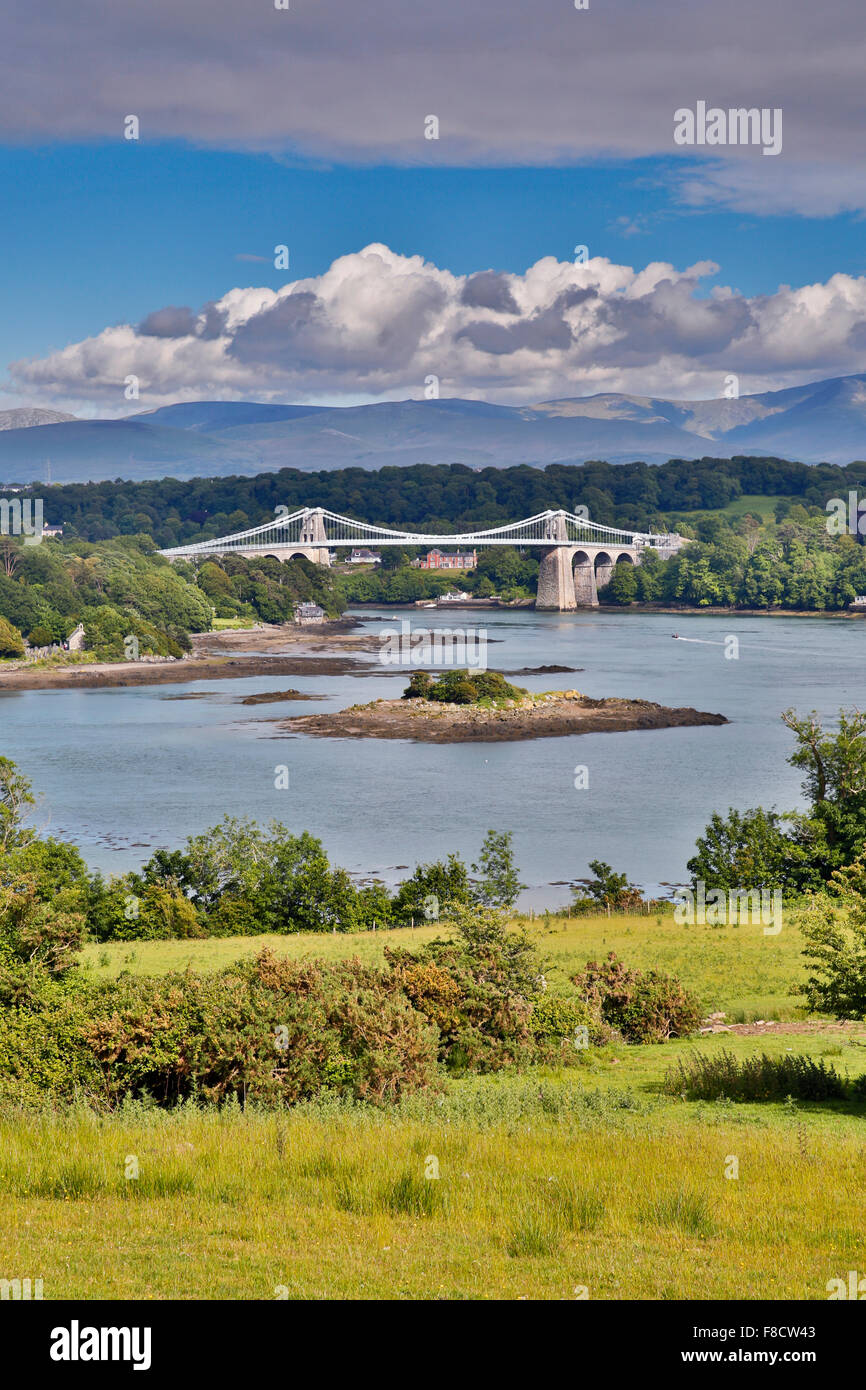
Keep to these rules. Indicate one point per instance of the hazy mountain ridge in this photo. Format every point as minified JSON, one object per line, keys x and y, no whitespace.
{"x":30,"y":416}
{"x":824,"y":421}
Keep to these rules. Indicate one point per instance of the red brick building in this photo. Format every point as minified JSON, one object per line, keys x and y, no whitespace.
{"x":447,"y":560}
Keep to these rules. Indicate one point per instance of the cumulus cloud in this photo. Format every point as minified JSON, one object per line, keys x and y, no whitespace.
{"x":170,"y":322}
{"x":512,"y":83}
{"x":376,"y":324}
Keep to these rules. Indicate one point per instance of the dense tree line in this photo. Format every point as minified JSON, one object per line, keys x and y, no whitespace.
{"x":436,"y":497}
{"x":121,"y":588}
{"x":793,"y":564}
{"x":238,"y":879}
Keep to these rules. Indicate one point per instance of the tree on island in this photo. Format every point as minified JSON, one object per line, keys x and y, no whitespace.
{"x":462,"y":687}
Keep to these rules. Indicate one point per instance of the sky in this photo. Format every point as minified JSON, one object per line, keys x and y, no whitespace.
{"x":457,"y":257}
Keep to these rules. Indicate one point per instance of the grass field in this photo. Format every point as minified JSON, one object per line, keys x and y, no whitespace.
{"x":582,"y":1181}
{"x":759,"y":504}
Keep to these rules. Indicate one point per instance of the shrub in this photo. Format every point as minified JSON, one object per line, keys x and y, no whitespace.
{"x":477,"y":989}
{"x":36,"y":937}
{"x":556,"y":1017}
{"x":272,"y":1030}
{"x":463,"y":687}
{"x":644,"y":1005}
{"x":608,"y":889}
{"x":42,"y":1050}
{"x":757,"y":1078}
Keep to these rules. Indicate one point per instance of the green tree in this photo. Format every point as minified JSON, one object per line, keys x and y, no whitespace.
{"x":432,"y":891}
{"x":834,"y":764}
{"x":623,"y":586}
{"x":749,"y":849}
{"x":500,"y":886}
{"x":11,"y":641}
{"x":15,"y":796}
{"x":834,"y":930}
{"x":607,"y":889}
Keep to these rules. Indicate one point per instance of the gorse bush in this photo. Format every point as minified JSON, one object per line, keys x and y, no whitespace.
{"x":271,"y":1030}
{"x":268,"y":1031}
{"x":758,"y":1078}
{"x":643,"y":1005}
{"x":559,"y":1017}
{"x":477,"y":989}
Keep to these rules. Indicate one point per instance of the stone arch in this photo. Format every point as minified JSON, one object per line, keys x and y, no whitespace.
{"x":623,"y":558}
{"x":583,"y":576}
{"x":604,"y":563}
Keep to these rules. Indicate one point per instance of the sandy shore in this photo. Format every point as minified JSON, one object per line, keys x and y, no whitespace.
{"x":551,"y":716}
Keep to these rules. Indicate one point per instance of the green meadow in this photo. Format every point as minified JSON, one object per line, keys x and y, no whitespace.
{"x":583,"y":1181}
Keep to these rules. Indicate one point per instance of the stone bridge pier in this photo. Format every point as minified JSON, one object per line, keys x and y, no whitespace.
{"x":570,"y":576}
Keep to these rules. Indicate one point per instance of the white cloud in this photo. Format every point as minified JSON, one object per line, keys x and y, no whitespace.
{"x":511,"y":83}
{"x":376,"y":324}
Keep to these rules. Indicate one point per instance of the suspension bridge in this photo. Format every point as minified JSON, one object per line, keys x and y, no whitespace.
{"x":577,"y":555}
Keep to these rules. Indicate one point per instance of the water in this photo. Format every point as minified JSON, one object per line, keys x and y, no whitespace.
{"x":123,"y":771}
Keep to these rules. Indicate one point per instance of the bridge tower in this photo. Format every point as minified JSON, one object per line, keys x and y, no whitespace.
{"x":313,"y":534}
{"x":555,"y":580}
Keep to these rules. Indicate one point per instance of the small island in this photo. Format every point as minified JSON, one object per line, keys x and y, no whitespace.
{"x":483,"y":707}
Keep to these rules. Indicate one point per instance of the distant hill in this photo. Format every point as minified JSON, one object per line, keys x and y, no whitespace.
{"x":28,"y":416}
{"x":824,"y":421}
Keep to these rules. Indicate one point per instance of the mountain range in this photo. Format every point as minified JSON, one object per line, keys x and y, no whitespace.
{"x":824,"y":421}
